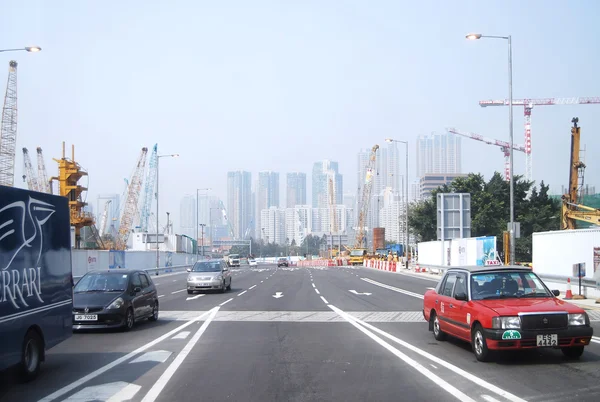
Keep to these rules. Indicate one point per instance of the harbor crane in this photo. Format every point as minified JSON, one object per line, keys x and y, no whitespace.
{"x":8,"y":129}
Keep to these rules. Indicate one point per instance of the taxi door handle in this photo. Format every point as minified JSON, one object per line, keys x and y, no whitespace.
{"x":436,"y":302}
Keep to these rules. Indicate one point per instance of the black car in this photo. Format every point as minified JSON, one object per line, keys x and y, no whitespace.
{"x":114,"y":298}
{"x":282,"y":261}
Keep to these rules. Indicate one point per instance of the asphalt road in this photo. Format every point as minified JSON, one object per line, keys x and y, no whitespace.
{"x":297,"y":334}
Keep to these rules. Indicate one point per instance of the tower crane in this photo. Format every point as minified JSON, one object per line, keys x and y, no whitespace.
{"x":131,"y":202}
{"x":8,"y":129}
{"x":572,"y":211}
{"x":43,"y":183}
{"x":333,"y":224}
{"x":149,"y":190}
{"x":224,"y":212}
{"x":29,"y":174}
{"x":504,"y":146}
{"x":528,"y":104}
{"x":360,"y":242}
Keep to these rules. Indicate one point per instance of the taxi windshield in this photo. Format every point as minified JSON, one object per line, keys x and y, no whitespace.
{"x":205,"y":266}
{"x":501,"y":285}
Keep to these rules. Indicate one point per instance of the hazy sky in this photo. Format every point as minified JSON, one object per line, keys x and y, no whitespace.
{"x":278,"y":85}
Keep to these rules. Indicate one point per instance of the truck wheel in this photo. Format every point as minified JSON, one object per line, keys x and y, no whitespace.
{"x":31,"y":355}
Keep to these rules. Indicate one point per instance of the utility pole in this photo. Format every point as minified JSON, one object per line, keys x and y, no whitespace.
{"x":202,"y":225}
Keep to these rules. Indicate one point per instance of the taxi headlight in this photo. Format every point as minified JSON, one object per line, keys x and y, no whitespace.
{"x":218,"y":278}
{"x":577,"y":319}
{"x":506,"y":322}
{"x":116,"y":304}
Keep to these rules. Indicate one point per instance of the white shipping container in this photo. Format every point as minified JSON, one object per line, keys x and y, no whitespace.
{"x":555,"y":252}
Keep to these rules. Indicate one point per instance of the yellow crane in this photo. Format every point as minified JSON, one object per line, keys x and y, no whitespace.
{"x":572,"y":211}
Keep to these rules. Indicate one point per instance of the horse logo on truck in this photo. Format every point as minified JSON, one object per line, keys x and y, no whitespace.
{"x":21,"y":232}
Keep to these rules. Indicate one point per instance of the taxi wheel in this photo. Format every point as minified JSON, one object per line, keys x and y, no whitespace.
{"x":438,"y":334}
{"x":129,"y":320}
{"x":482,"y":353}
{"x":573,"y":353}
{"x":154,"y":316}
{"x":229,"y":286}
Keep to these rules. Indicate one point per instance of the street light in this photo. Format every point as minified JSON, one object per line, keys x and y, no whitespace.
{"x":202,"y":241}
{"x":157,"y":215}
{"x":197,"y":219}
{"x":30,"y":49}
{"x":475,"y":36}
{"x":390,"y":140}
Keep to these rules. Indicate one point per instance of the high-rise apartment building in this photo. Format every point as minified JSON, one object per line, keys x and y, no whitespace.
{"x":295,"y":189}
{"x":273,"y":225}
{"x":239,"y":201}
{"x":439,"y":154}
{"x":187,"y":216}
{"x":267,"y":194}
{"x":324,"y":172}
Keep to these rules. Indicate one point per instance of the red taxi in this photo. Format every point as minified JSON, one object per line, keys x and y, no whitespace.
{"x":503,"y":308}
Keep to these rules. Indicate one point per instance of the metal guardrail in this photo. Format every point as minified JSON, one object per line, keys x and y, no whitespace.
{"x":152,"y":271}
{"x":585,"y":282}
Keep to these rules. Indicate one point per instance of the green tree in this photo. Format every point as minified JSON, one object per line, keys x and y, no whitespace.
{"x":490,"y":209}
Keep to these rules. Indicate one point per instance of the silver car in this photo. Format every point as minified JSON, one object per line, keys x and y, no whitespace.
{"x":209,"y":275}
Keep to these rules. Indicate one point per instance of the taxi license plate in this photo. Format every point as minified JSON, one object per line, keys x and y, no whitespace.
{"x":547,"y":340}
{"x":86,"y":317}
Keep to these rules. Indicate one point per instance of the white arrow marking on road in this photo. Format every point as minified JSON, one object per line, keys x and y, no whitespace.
{"x":358,"y":293}
{"x":277,"y":295}
{"x":181,"y":335}
{"x":159,"y":356}
{"x":114,"y":392}
{"x":195,"y":297}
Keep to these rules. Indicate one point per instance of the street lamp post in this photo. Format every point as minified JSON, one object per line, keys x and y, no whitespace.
{"x":197,"y":217}
{"x":390,"y":140}
{"x":475,"y":36}
{"x":157,"y":214}
{"x":30,"y":49}
{"x":202,"y":225}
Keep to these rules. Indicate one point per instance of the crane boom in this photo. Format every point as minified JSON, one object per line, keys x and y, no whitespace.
{"x":149,"y":189}
{"x":360,"y":241}
{"x":8,"y":129}
{"x":131,"y":202}
{"x":104,"y":218}
{"x":32,"y":181}
{"x":528,"y":104}
{"x":43,"y":183}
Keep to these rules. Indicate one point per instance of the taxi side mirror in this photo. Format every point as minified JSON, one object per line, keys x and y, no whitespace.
{"x":461,"y":296}
{"x":556,"y":292}
{"x":189,"y":270}
{"x":137,"y":289}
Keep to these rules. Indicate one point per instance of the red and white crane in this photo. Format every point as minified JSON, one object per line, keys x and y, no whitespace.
{"x":504,"y":146}
{"x":528,"y":104}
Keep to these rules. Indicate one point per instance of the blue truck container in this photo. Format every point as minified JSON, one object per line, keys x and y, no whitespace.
{"x":36,"y":281}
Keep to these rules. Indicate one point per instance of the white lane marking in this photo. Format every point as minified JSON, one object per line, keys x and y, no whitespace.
{"x":317,"y":290}
{"x":459,"y":371}
{"x":194,"y":297}
{"x":166,"y":376}
{"x":114,"y":392}
{"x":359,"y":293}
{"x":324,"y":300}
{"x":160,"y":356}
{"x":177,"y":291}
{"x":239,"y":294}
{"x":261,"y":281}
{"x":125,"y":394}
{"x":182,"y":335}
{"x":226,"y":301}
{"x":414,"y":364}
{"x":489,"y":398}
{"x":314,"y":286}
{"x":595,"y":339}
{"x":251,"y":287}
{"x":395,"y":289}
{"x":161,"y":296}
{"x":277,"y":295}
{"x":105,"y":368}
{"x":433,"y":365}
{"x":174,"y":280}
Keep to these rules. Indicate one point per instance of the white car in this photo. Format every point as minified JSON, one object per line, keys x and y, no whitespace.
{"x":252,"y":262}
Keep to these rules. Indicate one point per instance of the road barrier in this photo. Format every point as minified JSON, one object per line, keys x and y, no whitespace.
{"x":323,"y":262}
{"x":151,"y":271}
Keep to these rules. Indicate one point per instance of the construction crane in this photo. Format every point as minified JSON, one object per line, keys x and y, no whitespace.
{"x":131,"y":202}
{"x":528,"y":104}
{"x":504,"y":147}
{"x":149,"y":190}
{"x":572,"y":211}
{"x":104,"y":218}
{"x":333,"y":224}
{"x":8,"y":129}
{"x":360,"y":242}
{"x":29,"y":175}
{"x":69,"y":174}
{"x":224,"y":212}
{"x":43,"y":182}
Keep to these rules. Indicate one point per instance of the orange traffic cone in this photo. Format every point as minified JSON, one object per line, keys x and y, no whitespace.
{"x":569,"y":294}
